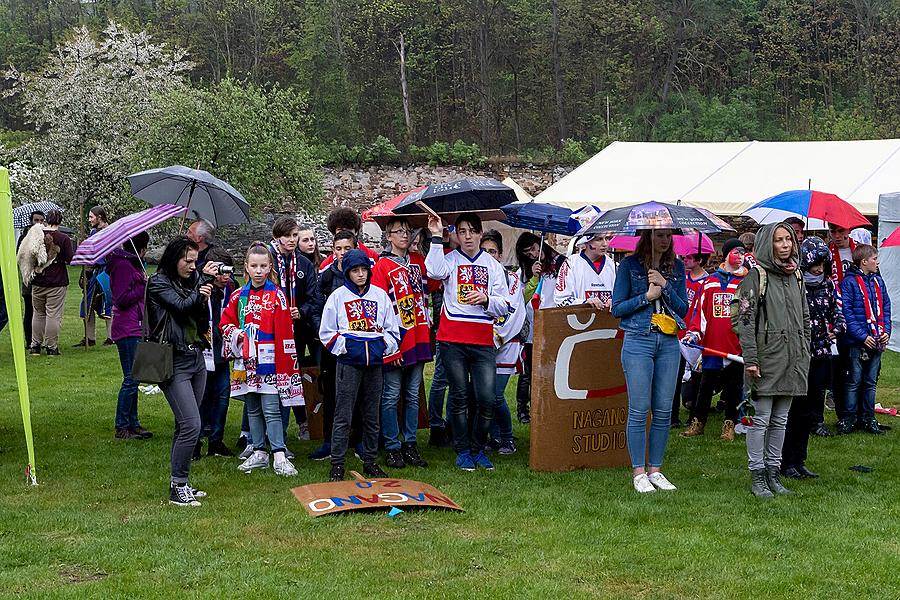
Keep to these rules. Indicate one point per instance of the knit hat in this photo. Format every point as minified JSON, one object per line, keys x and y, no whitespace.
{"x":814,"y":250}
{"x":731,"y":244}
{"x":355,"y":258}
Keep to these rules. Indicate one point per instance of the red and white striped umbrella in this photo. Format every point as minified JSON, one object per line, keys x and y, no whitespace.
{"x":117,"y":233}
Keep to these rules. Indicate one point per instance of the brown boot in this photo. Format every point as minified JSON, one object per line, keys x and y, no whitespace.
{"x":695,"y":428}
{"x":727,"y":431}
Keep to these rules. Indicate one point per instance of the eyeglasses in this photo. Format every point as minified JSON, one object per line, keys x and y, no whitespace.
{"x":400,"y":232}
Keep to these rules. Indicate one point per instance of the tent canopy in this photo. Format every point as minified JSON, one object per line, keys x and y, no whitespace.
{"x":729,"y":177}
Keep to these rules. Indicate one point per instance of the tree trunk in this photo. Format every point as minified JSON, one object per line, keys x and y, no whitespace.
{"x":562,"y":132}
{"x":485,"y":95}
{"x":404,"y":87}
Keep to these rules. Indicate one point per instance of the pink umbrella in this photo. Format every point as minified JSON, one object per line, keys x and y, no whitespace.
{"x":684,"y":244}
{"x":118,"y":232}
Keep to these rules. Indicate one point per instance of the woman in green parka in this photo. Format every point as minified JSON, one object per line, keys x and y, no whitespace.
{"x":770,"y":316}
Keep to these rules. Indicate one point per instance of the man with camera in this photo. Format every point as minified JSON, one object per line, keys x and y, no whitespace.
{"x":214,"y":409}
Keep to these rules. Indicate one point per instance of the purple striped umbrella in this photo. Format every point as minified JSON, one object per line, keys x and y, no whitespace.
{"x":117,"y":233}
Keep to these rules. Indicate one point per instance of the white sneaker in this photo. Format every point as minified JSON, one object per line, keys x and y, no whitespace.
{"x":247,"y":453}
{"x":660,"y":481}
{"x":258,"y":460}
{"x":283,"y":466}
{"x":642,"y":484}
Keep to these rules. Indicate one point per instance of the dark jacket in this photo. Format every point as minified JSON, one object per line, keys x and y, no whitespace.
{"x":127,"y":284}
{"x":330,"y":279}
{"x":179,"y":302}
{"x":855,"y":308}
{"x":824,"y":316}
{"x":56,"y":274}
{"x":217,"y":302}
{"x":305,"y":294}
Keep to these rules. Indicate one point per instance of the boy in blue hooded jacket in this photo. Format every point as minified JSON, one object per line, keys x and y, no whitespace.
{"x":867,"y":311}
{"x":360,"y":328}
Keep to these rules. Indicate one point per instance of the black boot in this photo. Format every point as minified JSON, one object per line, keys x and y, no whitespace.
{"x":411,"y":455}
{"x":758,"y":485}
{"x":773,"y":479}
{"x":845,"y":426}
{"x":337,"y":473}
{"x":807,"y":474}
{"x":373,"y":470}
{"x":394,"y":459}
{"x":872,"y":427}
{"x":792,"y":473}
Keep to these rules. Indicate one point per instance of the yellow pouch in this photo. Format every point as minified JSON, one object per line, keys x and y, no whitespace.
{"x":664,"y":323}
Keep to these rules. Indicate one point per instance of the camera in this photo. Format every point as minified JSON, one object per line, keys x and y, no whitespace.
{"x":223,"y":269}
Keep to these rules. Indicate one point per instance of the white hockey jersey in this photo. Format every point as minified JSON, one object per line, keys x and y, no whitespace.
{"x":580,"y":279}
{"x":460,"y":322}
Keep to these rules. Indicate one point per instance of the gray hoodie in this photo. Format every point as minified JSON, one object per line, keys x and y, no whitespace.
{"x":780,"y":347}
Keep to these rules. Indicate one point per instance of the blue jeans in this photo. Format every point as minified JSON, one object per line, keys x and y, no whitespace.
{"x":650,"y":362}
{"x":501,"y":430}
{"x":126,"y":408}
{"x":480,"y":362}
{"x":214,"y":409}
{"x":438,"y":390}
{"x":264,"y":411}
{"x":409,"y":379}
{"x":861,"y":380}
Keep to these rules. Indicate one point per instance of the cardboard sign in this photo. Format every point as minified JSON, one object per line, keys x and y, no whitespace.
{"x":366,"y":494}
{"x":315,"y":403}
{"x":579,"y":401}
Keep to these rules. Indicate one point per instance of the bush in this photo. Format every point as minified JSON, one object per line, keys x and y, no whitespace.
{"x":571,"y":153}
{"x":458,"y":153}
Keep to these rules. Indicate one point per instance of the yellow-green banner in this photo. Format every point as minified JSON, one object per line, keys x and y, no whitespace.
{"x":13,"y":295}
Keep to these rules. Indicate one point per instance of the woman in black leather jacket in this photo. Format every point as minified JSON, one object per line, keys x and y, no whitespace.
{"x":177,"y":312}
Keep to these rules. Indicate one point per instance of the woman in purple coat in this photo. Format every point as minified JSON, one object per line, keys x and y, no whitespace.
{"x":128,"y":281}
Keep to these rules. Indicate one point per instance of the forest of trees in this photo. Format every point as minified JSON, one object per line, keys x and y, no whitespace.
{"x":513,"y":76}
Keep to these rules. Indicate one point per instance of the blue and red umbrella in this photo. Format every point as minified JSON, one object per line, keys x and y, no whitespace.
{"x":818,"y":208}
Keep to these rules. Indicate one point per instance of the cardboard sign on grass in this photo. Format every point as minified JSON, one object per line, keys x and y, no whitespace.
{"x":366,"y":494}
{"x":579,"y":402}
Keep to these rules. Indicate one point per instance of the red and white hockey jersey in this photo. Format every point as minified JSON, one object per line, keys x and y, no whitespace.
{"x":466,"y":323}
{"x":580,"y":279}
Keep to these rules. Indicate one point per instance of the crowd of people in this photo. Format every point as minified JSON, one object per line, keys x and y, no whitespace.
{"x":784,"y":320}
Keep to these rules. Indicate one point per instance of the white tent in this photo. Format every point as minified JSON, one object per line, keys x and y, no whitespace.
{"x":889,"y":259}
{"x":729,"y":177}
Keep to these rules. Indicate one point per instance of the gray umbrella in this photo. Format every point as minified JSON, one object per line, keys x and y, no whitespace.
{"x":205,"y":196}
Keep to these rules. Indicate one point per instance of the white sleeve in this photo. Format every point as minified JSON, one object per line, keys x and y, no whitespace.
{"x":329,"y":329}
{"x":498,"y":293}
{"x":565,"y":286}
{"x":515,"y":320}
{"x":391,"y":328}
{"x":436,"y":265}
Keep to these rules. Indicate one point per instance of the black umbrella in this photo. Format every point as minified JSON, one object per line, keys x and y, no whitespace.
{"x":472,"y":194}
{"x":205,"y":196}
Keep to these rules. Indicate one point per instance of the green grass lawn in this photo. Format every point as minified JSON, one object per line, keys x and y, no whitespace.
{"x":98,"y":525}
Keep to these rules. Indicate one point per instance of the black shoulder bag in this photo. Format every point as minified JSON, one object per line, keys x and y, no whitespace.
{"x":152,"y":359}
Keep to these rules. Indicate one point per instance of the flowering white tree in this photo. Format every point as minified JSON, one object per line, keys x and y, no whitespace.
{"x":89,"y":105}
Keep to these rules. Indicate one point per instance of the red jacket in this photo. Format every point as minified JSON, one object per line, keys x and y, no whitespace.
{"x":712,"y":315}
{"x":258,"y":332}
{"x":408,"y":288}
